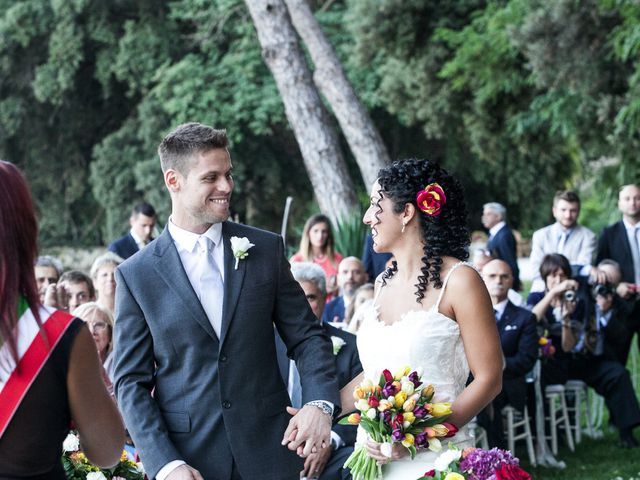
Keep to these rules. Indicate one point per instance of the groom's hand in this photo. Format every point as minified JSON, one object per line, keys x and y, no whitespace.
{"x":184,"y":472}
{"x":309,"y":430}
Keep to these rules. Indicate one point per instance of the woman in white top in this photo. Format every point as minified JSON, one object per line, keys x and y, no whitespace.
{"x":431,"y":310}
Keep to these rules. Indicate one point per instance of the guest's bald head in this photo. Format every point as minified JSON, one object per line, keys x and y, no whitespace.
{"x":351,"y":275}
{"x":498,"y":277}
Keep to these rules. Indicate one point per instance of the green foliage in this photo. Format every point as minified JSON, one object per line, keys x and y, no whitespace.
{"x":517,"y":97}
{"x":349,"y":234}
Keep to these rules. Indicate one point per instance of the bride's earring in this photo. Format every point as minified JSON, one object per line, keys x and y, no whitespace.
{"x":403,"y":227}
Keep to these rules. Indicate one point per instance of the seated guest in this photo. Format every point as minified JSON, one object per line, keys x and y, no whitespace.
{"x":559,"y":311}
{"x":72,"y":290}
{"x":100,"y":323}
{"x":104,"y":280}
{"x":326,"y":464}
{"x":519,"y":340}
{"x":351,"y":276}
{"x":47,"y":270}
{"x":142,"y":221}
{"x":363,"y":294}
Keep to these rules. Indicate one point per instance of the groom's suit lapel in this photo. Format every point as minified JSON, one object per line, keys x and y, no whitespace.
{"x":233,"y":279}
{"x":170,"y":268}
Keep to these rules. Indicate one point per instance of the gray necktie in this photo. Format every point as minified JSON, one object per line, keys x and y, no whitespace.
{"x":211,"y":285}
{"x":562,"y":241}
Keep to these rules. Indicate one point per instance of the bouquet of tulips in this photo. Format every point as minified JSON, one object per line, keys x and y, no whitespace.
{"x":547,"y":350}
{"x":396,"y":409}
{"x":476,"y":464}
{"x":77,"y":466}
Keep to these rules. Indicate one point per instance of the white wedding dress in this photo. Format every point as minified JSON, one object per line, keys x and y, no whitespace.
{"x":420,"y":338}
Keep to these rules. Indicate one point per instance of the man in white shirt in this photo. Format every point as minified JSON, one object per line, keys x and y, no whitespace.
{"x":565,"y":236}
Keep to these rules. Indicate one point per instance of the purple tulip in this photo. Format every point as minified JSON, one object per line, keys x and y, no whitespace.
{"x":421,"y":440}
{"x":386,"y":415}
{"x":389,"y":390}
{"x":397,"y":435}
{"x":420,"y":412}
{"x":413,"y":377}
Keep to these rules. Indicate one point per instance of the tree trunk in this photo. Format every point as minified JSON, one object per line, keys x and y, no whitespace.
{"x":307,"y":116}
{"x":363,"y":137}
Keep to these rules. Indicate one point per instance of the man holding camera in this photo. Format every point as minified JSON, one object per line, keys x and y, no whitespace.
{"x":621,"y":242}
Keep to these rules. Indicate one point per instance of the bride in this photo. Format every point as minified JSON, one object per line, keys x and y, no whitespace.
{"x":431,"y":310}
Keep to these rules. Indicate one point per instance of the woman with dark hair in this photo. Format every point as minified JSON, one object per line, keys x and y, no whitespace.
{"x":49,"y":370}
{"x":431,"y":310}
{"x":317,"y":246}
{"x":559,"y":311}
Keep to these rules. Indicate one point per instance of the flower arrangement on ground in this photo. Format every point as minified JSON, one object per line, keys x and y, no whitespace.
{"x":476,"y":464}
{"x":77,"y":466}
{"x":397,"y":409}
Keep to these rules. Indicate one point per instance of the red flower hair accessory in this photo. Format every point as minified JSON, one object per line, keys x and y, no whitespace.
{"x":431,"y":199}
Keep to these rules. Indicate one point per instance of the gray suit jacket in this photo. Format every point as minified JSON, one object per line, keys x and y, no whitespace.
{"x":187,"y":394}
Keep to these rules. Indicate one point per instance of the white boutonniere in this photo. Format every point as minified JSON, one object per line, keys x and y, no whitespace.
{"x":240,"y":248}
{"x":338,"y":343}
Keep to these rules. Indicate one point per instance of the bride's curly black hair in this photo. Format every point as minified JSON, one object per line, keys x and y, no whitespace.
{"x":446,"y":234}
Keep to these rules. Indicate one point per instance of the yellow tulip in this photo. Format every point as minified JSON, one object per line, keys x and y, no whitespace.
{"x":408,"y":440}
{"x":543,"y":341}
{"x":408,"y":418}
{"x":453,"y":476}
{"x":403,"y":372}
{"x":440,"y":430}
{"x":354,"y":419}
{"x":384,"y":405}
{"x":427,"y":391}
{"x":358,"y":393}
{"x":409,"y":405}
{"x":367,"y":385}
{"x":440,"y":409}
{"x":400,"y":398}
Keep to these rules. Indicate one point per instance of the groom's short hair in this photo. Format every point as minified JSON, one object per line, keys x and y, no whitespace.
{"x":309,"y":272}
{"x":179,"y":146}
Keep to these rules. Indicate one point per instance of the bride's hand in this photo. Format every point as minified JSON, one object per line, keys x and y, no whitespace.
{"x":397,"y":452}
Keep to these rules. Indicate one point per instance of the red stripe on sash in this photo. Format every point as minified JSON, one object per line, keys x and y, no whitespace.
{"x":30,"y":364}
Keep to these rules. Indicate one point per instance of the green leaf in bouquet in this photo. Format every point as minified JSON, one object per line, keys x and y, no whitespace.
{"x":412,"y":451}
{"x":382,"y":381}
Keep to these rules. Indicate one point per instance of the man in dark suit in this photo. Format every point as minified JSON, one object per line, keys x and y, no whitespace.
{"x":351,"y":276}
{"x":196,"y":371}
{"x":620,"y":242}
{"x":519,"y":340}
{"x":502,"y":243}
{"x":327,"y":464}
{"x":142,"y":221}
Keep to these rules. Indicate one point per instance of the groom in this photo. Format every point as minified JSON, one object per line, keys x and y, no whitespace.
{"x":196,"y":373}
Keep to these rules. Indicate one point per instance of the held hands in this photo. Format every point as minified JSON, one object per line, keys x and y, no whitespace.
{"x":397,"y":452}
{"x":315,"y":463}
{"x":308,"y":432}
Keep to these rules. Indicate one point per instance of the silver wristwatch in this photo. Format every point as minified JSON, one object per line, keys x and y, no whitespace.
{"x":322,"y":405}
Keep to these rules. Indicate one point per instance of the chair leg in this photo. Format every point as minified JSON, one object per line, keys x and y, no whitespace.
{"x":567,"y":424}
{"x":552,"y":424}
{"x":529,"y":438}
{"x":578,"y":416}
{"x":510,"y":431}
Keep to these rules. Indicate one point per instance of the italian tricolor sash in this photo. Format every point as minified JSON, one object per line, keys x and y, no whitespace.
{"x":33,"y":352}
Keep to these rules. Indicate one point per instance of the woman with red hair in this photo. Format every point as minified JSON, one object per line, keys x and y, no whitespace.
{"x":49,"y":369}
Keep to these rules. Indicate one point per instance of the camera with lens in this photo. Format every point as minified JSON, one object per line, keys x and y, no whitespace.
{"x":603,"y":289}
{"x":570,"y":295}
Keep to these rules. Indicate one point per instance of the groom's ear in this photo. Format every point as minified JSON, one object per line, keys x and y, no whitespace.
{"x":172,"y":180}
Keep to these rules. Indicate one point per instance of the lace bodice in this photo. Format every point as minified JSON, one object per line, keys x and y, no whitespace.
{"x":420,"y":338}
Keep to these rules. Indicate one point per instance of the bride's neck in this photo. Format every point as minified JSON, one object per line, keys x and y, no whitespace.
{"x":409,"y":260}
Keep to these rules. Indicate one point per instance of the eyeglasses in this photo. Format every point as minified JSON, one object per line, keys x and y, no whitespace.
{"x":97,"y":326}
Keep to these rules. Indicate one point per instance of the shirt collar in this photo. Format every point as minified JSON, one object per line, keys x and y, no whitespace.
{"x":496,"y":228}
{"x":628,"y":226}
{"x":499,"y":308}
{"x":188,"y":240}
{"x":136,"y":238}
{"x":560,"y":230}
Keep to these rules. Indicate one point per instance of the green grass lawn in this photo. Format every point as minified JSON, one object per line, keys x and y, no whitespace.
{"x":593,"y":459}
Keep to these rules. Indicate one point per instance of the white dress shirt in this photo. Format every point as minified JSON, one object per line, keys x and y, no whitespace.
{"x":499,"y":309}
{"x":496,"y":228}
{"x":139,"y":241}
{"x":633,"y":235}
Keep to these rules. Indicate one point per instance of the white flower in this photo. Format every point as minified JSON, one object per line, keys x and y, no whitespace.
{"x":338,"y":343}
{"x":408,"y":387}
{"x":71,"y":443}
{"x":140,"y":468}
{"x":386,"y":449}
{"x":445,"y":458}
{"x":96,"y":476}
{"x":371,"y":414}
{"x":240,"y":248}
